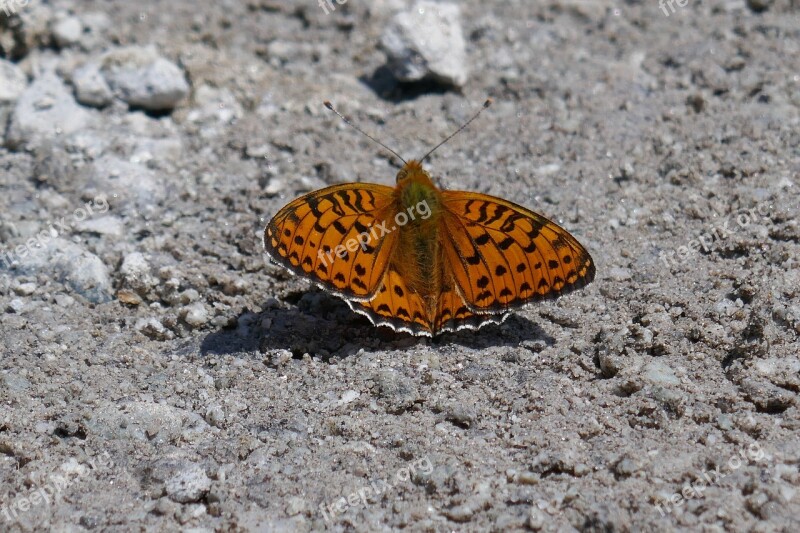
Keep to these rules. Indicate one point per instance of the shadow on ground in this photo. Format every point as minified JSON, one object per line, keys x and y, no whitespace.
{"x":322,"y":325}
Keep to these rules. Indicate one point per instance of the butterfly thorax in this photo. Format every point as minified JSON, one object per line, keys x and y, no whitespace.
{"x":419,"y":240}
{"x":414,"y":185}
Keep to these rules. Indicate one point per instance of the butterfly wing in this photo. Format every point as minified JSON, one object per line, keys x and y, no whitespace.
{"x":396,"y":305}
{"x":331,"y":237}
{"x":453,"y":313}
{"x":503,"y":255}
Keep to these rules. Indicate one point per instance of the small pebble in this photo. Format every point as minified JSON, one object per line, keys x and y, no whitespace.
{"x":67,"y":31}
{"x":15,"y":306}
{"x":12,"y":82}
{"x":91,"y":87}
{"x":195,"y":314}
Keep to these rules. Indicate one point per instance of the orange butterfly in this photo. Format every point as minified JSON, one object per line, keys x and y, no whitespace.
{"x":424,"y":260}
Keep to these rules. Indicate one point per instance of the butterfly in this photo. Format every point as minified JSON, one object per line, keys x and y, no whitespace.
{"x":425,"y":260}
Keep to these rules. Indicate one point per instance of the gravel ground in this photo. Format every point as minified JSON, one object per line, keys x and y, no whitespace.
{"x":158,"y":374}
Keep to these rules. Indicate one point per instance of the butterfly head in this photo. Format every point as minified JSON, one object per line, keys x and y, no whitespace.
{"x":416,"y":188}
{"x":412,"y":172}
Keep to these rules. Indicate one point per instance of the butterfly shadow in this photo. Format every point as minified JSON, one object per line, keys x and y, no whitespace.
{"x":384,"y":84}
{"x":324,"y":326}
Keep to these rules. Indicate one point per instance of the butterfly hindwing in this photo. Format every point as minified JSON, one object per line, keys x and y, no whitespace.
{"x":503,"y":255}
{"x":396,"y":305}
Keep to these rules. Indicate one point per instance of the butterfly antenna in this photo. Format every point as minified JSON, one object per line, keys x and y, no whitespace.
{"x":359,"y":130}
{"x":486,"y":104}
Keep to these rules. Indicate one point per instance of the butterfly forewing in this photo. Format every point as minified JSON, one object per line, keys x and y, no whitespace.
{"x":330,"y":235}
{"x":503,"y":255}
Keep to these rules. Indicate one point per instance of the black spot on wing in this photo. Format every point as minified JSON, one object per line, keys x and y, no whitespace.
{"x":483,"y":214}
{"x":499,"y":211}
{"x":313,"y":204}
{"x":361,"y":228}
{"x":506,"y":243}
{"x":482,"y":239}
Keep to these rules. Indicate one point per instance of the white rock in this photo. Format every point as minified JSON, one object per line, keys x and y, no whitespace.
{"x":215,"y":416}
{"x":142,"y":78}
{"x":660,"y":374}
{"x":129,"y":421}
{"x":24,"y":289}
{"x":427,"y":42}
{"x":12,"y":82}
{"x":107,"y":225}
{"x":64,"y":300}
{"x":349,"y":396}
{"x":15,"y":306}
{"x":153,"y":328}
{"x":135,"y":271}
{"x":45,"y":110}
{"x":67,"y":31}
{"x":68,"y":263}
{"x":195,"y":314}
{"x":91,"y":87}
{"x":132,"y":185}
{"x":188,"y":484}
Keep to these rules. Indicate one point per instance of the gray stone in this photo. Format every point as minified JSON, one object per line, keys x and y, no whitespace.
{"x":67,"y":31}
{"x":153,"y":328}
{"x":136,"y":273}
{"x":131,"y":421}
{"x":426,"y":41}
{"x":398,"y":390}
{"x":91,"y":87}
{"x":12,"y":82}
{"x":182,"y":480}
{"x":142,"y":78}
{"x":660,"y":373}
{"x":107,"y":225}
{"x":188,"y":484}
{"x":15,"y":306}
{"x":132,"y":185}
{"x":13,"y":383}
{"x":45,"y":111}
{"x":196,"y":314}
{"x":66,"y":262}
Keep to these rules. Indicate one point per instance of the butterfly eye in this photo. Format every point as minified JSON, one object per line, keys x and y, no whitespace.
{"x":401,"y":175}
